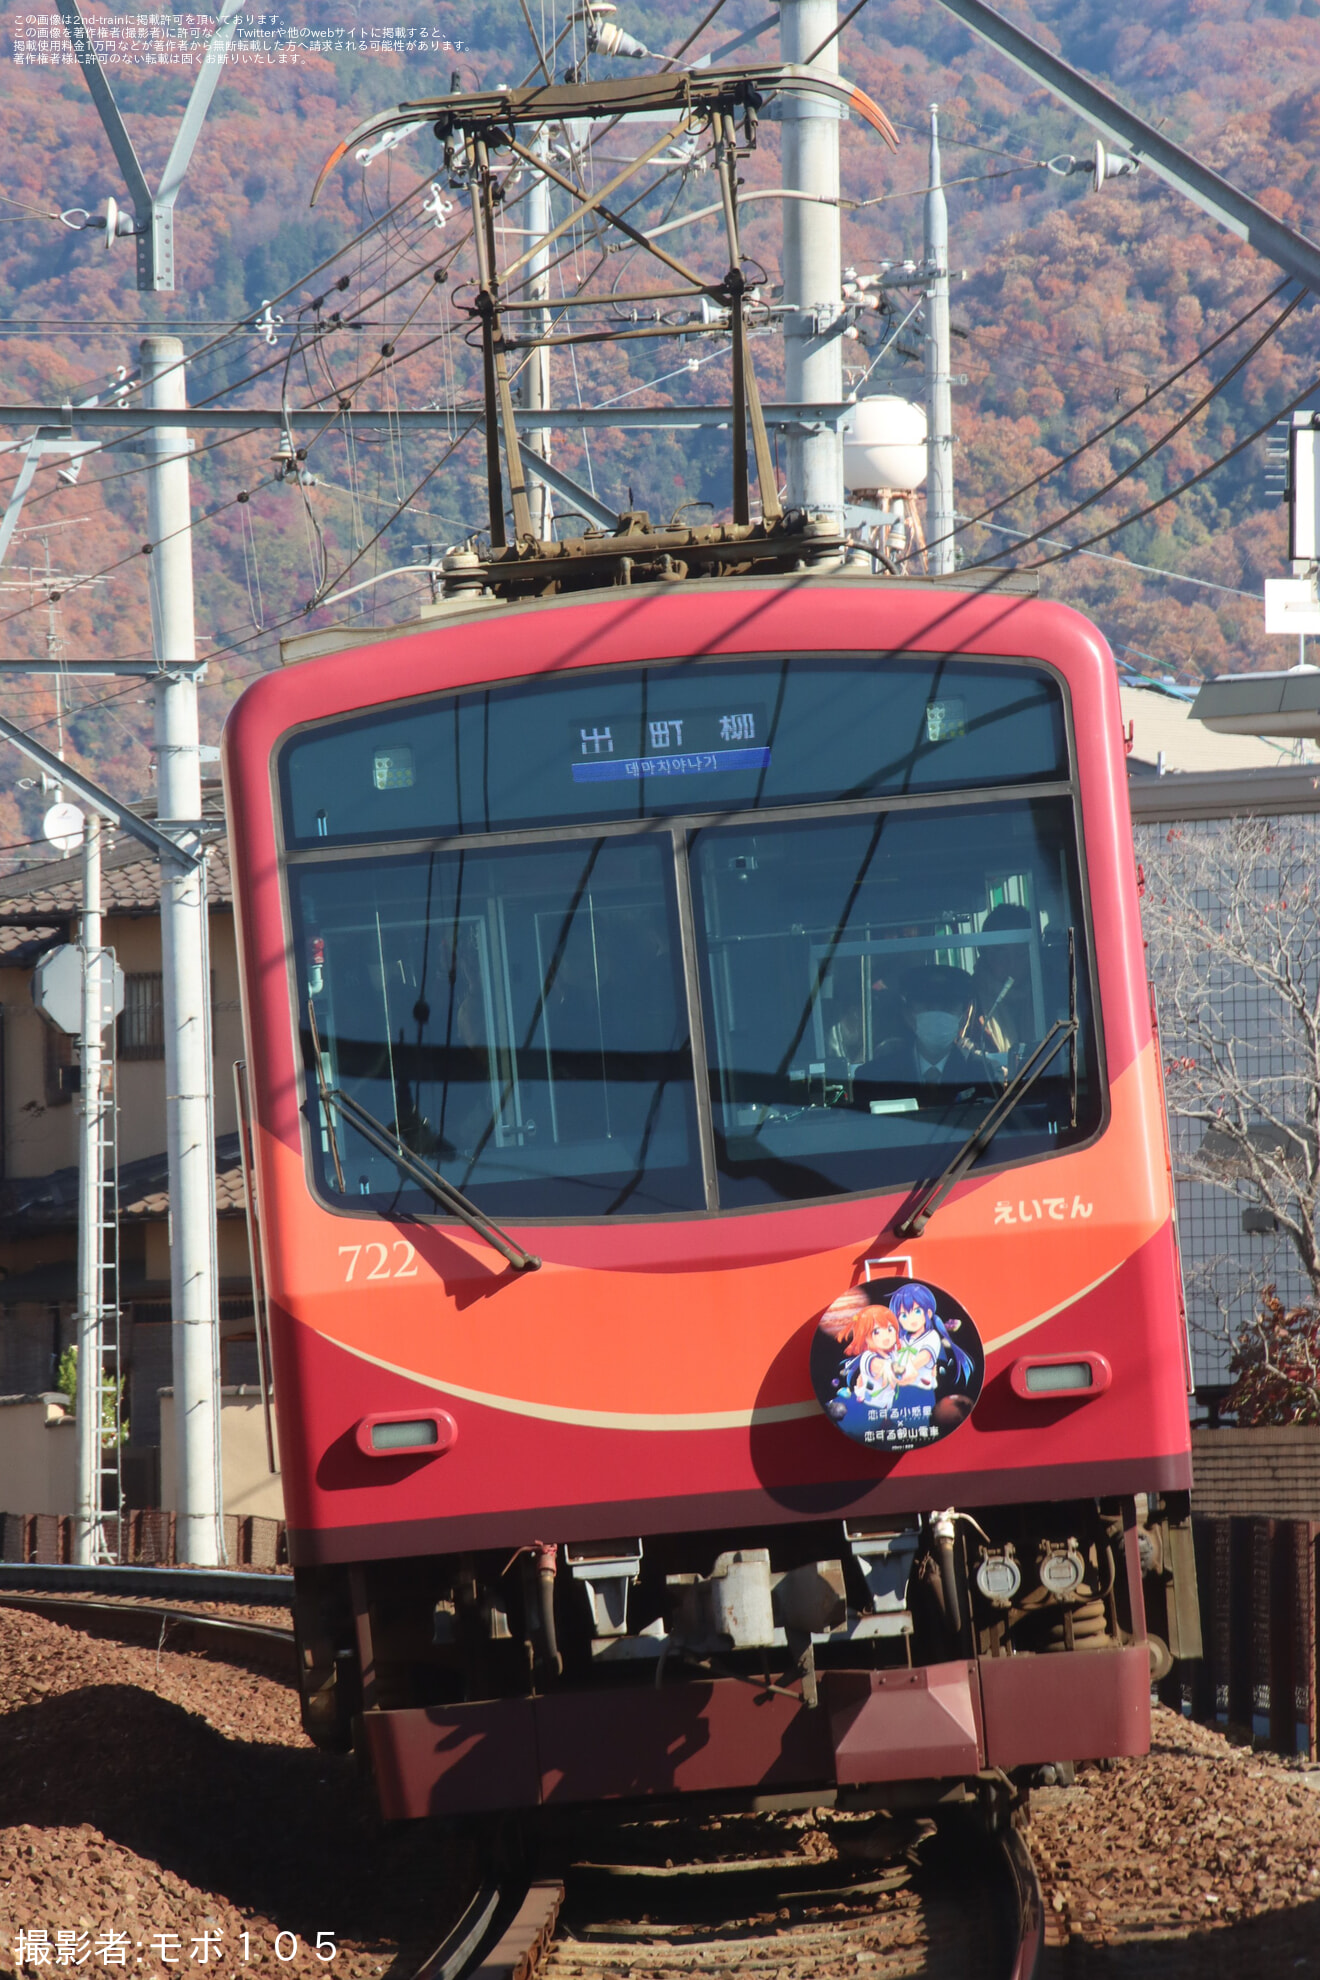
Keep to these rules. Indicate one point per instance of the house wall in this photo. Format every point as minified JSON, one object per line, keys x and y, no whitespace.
{"x":38,"y":1455}
{"x":40,"y":1137}
{"x":33,"y":1336}
{"x":231,"y":1248}
{"x":249,"y":1487}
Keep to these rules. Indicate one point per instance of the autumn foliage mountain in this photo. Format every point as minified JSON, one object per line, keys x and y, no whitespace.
{"x":1076,"y":308}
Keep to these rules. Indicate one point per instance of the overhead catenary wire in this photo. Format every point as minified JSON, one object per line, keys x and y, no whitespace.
{"x":1131,"y":564}
{"x":1130,"y":412}
{"x":203,"y":403}
{"x":1126,"y":473}
{"x":350,"y":317}
{"x":144,"y":550}
{"x":834,"y":32}
{"x":377,"y":222}
{"x":385,"y":371}
{"x":240,"y":324}
{"x":324,"y":583}
{"x":1193,"y":481}
{"x":965,"y":144}
{"x":236,"y":328}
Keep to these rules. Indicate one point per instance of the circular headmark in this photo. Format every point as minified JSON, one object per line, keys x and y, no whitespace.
{"x":897,"y":1363}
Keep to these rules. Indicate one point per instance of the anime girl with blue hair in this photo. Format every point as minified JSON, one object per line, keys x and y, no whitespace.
{"x":926,"y":1351}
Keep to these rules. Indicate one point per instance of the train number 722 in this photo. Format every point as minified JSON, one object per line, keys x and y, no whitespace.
{"x":376,"y":1257}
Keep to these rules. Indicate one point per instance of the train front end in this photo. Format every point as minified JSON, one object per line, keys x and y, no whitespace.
{"x":713,"y":1196}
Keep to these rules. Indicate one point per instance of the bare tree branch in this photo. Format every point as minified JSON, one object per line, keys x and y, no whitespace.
{"x":1232,"y":916}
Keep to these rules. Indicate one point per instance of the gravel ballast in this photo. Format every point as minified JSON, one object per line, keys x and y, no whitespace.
{"x":152,"y":1801}
{"x":144,"y":1794}
{"x":1201,"y":1860}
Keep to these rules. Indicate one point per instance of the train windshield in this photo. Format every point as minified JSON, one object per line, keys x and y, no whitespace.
{"x":872,"y":983}
{"x":516,"y":1016}
{"x":717,"y":1004}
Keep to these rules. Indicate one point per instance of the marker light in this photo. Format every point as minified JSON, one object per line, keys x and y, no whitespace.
{"x":1048,"y":1377}
{"x":407,"y":1434}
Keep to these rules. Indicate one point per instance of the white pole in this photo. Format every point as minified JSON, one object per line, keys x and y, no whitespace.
{"x":940,"y":519}
{"x":813,"y":270}
{"x":186,"y":977}
{"x":536,"y":377}
{"x":87,"y":1409}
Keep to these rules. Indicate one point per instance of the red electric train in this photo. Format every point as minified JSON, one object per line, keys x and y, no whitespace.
{"x":713,"y":1193}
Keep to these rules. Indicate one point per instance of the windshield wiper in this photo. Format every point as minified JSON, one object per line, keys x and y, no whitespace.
{"x":389,"y":1143}
{"x":934,"y":1194}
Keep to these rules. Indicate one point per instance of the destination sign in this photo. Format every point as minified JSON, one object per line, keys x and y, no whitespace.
{"x":698,"y":743}
{"x":691,"y":763}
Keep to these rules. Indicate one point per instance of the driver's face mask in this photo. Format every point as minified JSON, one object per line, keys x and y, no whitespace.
{"x":936,"y":1032}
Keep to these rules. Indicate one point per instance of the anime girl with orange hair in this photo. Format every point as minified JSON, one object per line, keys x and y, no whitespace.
{"x":869,"y":1341}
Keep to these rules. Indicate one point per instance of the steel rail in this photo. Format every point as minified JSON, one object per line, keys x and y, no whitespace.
{"x":453,"y":1956}
{"x":526,"y":1938}
{"x":233,"y":1641}
{"x":255,"y":1590}
{"x":1028,"y":1903}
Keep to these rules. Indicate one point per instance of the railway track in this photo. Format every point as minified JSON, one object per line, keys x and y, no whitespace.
{"x":770,"y":1898}
{"x":124,"y":1619}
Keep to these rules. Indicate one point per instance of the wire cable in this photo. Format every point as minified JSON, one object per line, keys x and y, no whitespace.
{"x":1131,"y":564}
{"x":146,"y":549}
{"x":1198,"y":406}
{"x":834,"y":33}
{"x":1193,"y":481}
{"x":966,"y":144}
{"x":1112,"y":426}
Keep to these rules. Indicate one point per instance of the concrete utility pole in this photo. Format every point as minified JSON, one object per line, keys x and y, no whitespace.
{"x":186,"y":976}
{"x":940,"y":520}
{"x":813,"y":262}
{"x":536,"y":376}
{"x":87,"y":1542}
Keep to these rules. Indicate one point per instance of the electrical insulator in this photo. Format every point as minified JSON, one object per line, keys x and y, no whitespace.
{"x":608,"y":39}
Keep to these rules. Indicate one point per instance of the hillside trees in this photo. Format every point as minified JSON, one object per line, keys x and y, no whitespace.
{"x":1076,"y":306}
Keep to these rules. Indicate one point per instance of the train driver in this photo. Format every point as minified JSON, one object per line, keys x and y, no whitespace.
{"x":933,"y":1052}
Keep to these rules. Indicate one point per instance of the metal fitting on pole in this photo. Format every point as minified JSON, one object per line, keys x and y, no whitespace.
{"x":813,"y":262}
{"x":186,"y":979}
